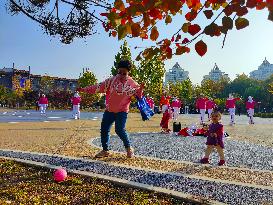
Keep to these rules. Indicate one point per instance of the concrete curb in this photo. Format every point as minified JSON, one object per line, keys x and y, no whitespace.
{"x":123,"y":182}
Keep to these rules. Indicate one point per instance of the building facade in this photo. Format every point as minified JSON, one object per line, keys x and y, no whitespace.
{"x":176,"y":74}
{"x":265,"y":70}
{"x":7,"y":76}
{"x":216,"y":74}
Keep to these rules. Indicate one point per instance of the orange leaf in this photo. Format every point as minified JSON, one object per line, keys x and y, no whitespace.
{"x":135,"y":29}
{"x":119,"y":5}
{"x":168,"y":19}
{"x":242,"y":11}
{"x":154,"y":34}
{"x":241,"y":23}
{"x":190,"y":16}
{"x":201,"y":48}
{"x":182,"y":49}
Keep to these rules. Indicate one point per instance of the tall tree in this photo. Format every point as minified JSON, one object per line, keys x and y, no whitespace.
{"x":124,"y":54}
{"x":152,"y":72}
{"x":46,"y":84}
{"x":88,"y":78}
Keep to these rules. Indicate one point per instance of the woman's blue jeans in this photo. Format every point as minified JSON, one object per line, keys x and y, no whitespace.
{"x":120,"y":121}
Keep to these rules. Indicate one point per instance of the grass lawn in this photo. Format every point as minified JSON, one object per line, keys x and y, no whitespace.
{"x":24,"y":184}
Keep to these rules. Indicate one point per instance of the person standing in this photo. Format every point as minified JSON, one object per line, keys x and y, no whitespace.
{"x":150,"y":101}
{"x":176,"y":105}
{"x":119,"y":89}
{"x":76,"y":100}
{"x":210,"y":105}
{"x":215,"y":135}
{"x":201,"y":105}
{"x":250,"y":104}
{"x":231,"y":105}
{"x":165,"y":102}
{"x":43,"y":103}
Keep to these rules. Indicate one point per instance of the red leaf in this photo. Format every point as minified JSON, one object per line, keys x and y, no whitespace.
{"x":208,"y":14}
{"x":190,"y":16}
{"x":104,"y":14}
{"x":201,"y":48}
{"x":123,"y":21}
{"x":185,"y":41}
{"x":242,"y":11}
{"x":194,"y":29}
{"x":155,"y":13}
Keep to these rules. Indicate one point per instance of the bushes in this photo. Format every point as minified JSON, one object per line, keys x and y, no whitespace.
{"x":264,"y":115}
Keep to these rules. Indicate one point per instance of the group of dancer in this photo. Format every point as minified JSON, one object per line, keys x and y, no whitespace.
{"x":119,"y":91}
{"x":75,"y":100}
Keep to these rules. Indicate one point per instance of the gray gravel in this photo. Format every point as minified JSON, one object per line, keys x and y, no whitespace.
{"x":226,"y":193}
{"x":237,"y":153}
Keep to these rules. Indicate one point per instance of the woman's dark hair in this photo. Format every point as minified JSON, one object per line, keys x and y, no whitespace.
{"x":125,"y":64}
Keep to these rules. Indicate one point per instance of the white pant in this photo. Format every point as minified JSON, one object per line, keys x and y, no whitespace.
{"x":43,"y":108}
{"x":209,"y":113}
{"x":164,"y":108}
{"x":251,"y":114}
{"x":186,"y":109}
{"x":76,"y":111}
{"x":176,"y":111}
{"x":202,"y":115}
{"x":231,"y":114}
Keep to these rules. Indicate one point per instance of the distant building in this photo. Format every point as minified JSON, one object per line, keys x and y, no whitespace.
{"x":176,"y":74}
{"x":265,"y":70}
{"x":7,"y":75}
{"x":216,"y":74}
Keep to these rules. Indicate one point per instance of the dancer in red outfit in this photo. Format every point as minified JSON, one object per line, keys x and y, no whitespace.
{"x":230,"y":105}
{"x":176,"y":105}
{"x":150,"y":102}
{"x":165,"y":102}
{"x":201,"y":105}
{"x":43,"y":103}
{"x":210,"y":105}
{"x":250,"y":104}
{"x":164,"y":124}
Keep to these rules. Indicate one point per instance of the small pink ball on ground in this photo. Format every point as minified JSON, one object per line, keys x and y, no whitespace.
{"x":60,"y":175}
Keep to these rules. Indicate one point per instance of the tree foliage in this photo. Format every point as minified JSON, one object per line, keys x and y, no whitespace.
{"x":88,"y":78}
{"x":69,"y":19}
{"x":46,"y":84}
{"x":152,"y":72}
{"x":124,"y":54}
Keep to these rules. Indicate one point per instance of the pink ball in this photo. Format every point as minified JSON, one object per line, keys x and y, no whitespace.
{"x":60,"y":175}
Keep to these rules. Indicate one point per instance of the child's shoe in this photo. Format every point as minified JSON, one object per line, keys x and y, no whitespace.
{"x":222,"y":162}
{"x":205,"y":161}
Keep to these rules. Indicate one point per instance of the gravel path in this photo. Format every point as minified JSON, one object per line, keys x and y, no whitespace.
{"x":238,"y":153}
{"x":226,"y":193}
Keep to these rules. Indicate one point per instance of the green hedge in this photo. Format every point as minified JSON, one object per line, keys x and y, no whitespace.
{"x":264,"y":115}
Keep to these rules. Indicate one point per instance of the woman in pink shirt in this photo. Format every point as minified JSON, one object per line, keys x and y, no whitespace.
{"x":119,"y":89}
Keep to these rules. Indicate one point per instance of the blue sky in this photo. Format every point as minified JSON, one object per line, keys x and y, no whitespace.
{"x":23,"y":42}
